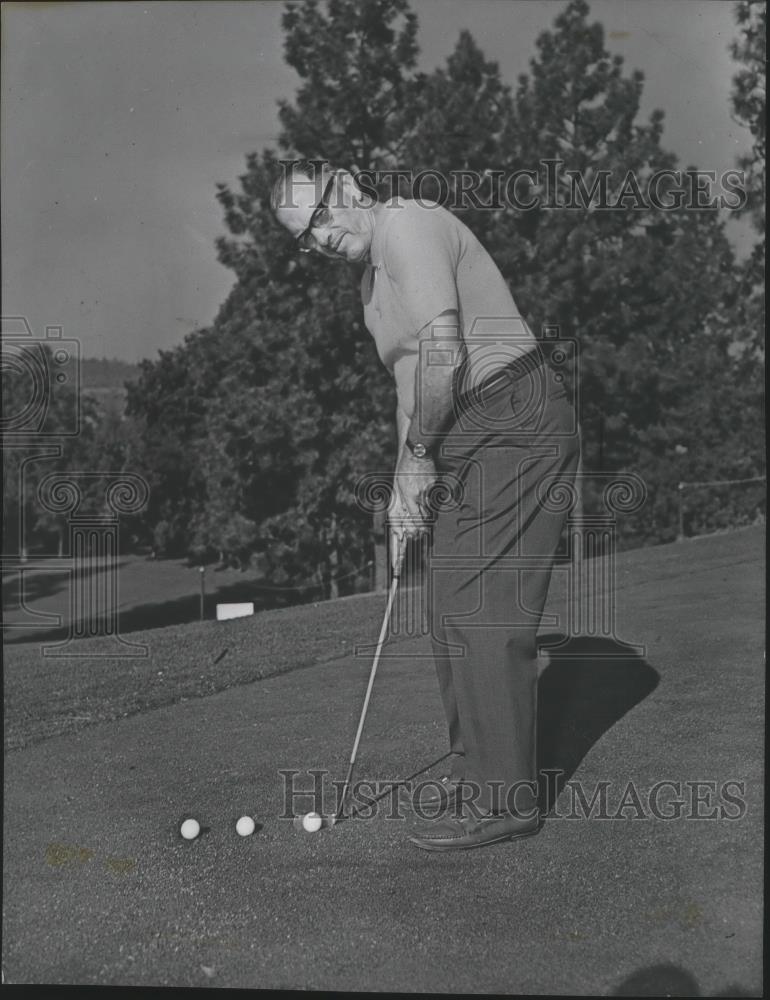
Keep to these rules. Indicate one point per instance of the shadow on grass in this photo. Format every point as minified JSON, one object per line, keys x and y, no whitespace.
{"x":589,"y":684}
{"x":670,"y":981}
{"x":587,"y":687}
{"x":178,"y":611}
{"x":43,"y":583}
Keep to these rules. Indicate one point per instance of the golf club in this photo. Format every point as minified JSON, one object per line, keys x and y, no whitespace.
{"x":331,"y":820}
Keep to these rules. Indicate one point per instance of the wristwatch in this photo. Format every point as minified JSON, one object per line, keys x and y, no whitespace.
{"x":418,"y":449}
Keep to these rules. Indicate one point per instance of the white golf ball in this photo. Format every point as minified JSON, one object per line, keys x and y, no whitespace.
{"x":312,"y":822}
{"x":190,"y":829}
{"x":245,"y":826}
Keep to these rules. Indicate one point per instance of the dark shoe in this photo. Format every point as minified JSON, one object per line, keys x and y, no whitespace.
{"x":437,"y":794}
{"x":466,"y":832}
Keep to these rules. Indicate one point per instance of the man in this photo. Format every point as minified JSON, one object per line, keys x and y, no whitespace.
{"x":478,"y":408}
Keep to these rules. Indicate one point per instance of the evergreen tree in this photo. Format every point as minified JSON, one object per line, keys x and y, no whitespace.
{"x":355,"y":60}
{"x":299,"y":409}
{"x":632,"y":283}
{"x":256,"y":431}
{"x":453,"y":129}
{"x":749,"y":100}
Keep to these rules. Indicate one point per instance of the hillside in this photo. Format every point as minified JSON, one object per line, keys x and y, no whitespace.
{"x":45,"y":696}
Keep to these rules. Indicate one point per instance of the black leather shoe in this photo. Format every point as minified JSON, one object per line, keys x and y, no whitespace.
{"x":468,"y":831}
{"x":436,"y":794}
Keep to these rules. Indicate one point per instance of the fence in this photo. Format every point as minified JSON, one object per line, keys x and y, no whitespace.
{"x":682,"y":487}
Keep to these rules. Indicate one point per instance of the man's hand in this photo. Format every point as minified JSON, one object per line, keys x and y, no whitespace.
{"x":400,"y":529}
{"x":407,"y":515}
{"x":414,"y":478}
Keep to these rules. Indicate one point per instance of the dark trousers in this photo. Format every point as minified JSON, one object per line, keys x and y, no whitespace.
{"x":489,"y":568}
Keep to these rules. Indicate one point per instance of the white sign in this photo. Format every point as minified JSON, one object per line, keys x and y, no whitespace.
{"x":225,"y":611}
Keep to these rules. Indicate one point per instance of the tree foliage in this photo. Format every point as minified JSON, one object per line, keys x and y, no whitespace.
{"x":254,"y":433}
{"x":749,"y":99}
{"x":75,"y":434}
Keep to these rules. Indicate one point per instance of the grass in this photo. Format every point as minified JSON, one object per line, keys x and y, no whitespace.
{"x":145,"y":586}
{"x":46,"y":696}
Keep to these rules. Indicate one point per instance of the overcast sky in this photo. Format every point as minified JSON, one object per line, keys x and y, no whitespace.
{"x":119,"y":119}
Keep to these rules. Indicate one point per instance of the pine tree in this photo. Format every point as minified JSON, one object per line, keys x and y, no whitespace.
{"x":257,"y":430}
{"x":632,"y":284}
{"x":453,"y":130}
{"x":299,"y":408}
{"x":749,"y":100}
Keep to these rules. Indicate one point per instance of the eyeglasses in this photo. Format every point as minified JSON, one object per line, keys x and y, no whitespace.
{"x":321,"y":217}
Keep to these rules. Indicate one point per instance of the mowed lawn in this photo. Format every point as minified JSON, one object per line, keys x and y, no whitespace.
{"x":105,"y":761}
{"x":47,"y":695}
{"x":150,"y":593}
{"x":152,"y":665}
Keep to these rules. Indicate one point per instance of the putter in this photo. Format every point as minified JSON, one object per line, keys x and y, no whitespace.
{"x":331,"y":820}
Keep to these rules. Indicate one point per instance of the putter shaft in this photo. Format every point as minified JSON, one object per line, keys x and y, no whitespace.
{"x":372,"y":674}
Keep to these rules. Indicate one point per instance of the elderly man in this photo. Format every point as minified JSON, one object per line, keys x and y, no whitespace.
{"x":478,"y":408}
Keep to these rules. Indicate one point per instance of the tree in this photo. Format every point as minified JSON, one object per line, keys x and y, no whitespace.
{"x":256,"y":431}
{"x":167,"y":406}
{"x":314,"y":413}
{"x":453,"y":129}
{"x":355,"y":60}
{"x":26,"y":523}
{"x":594,"y":257}
{"x":749,"y":100}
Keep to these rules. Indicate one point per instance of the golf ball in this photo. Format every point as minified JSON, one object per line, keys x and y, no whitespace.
{"x":190,"y":829}
{"x":245,"y":826}
{"x":312,"y":822}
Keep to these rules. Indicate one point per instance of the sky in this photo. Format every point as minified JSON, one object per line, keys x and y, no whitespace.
{"x":119,"y":119}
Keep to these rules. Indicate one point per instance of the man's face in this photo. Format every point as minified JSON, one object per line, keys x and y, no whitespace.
{"x":341,"y":228}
